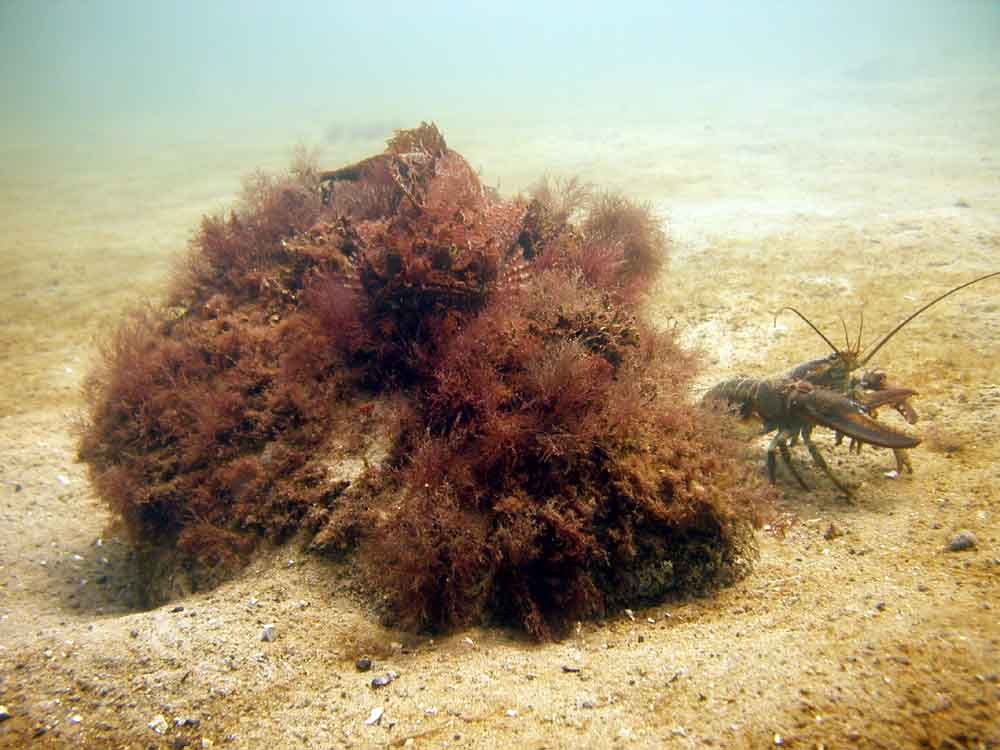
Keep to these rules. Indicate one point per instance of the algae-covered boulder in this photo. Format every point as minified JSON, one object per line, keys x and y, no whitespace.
{"x":459,"y":389}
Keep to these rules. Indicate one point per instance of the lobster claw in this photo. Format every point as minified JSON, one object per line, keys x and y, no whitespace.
{"x":897,"y":398}
{"x":830,"y":409}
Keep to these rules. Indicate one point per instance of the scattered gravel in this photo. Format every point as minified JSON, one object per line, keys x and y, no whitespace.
{"x":963,"y":540}
{"x":586,"y":701}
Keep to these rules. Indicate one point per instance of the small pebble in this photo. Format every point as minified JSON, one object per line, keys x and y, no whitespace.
{"x":363,"y":664}
{"x":4,"y":713}
{"x":374,"y":717}
{"x":74,"y":719}
{"x":178,"y":608}
{"x":832,"y":532}
{"x":963,"y":540}
{"x":941,"y":703}
{"x":569,"y":669}
{"x":383,"y":680}
{"x":268,"y":633}
{"x":158,"y":724}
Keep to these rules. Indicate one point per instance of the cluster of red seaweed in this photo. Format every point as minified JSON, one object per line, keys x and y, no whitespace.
{"x":546,"y":463}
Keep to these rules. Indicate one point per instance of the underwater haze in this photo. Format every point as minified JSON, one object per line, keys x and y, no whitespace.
{"x":181,"y":71}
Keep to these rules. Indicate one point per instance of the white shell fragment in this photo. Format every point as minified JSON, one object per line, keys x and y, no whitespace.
{"x":158,"y":724}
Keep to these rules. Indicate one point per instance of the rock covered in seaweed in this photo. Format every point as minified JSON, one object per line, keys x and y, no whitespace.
{"x":532,"y":452}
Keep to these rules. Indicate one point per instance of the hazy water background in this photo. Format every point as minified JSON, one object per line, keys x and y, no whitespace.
{"x":124,"y":121}
{"x":150,"y":72}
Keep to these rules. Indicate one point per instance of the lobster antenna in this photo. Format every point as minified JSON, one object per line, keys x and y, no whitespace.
{"x":882,"y":342}
{"x":861,"y":330}
{"x":808,"y":323}
{"x":847,"y":336}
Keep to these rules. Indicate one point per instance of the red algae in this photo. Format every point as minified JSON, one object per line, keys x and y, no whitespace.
{"x":543,"y":461}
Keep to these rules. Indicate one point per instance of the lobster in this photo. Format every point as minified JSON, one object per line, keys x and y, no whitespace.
{"x":824,"y":392}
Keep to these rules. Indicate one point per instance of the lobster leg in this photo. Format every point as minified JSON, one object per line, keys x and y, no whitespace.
{"x":902,"y":461}
{"x":821,"y":462}
{"x":780,"y":442}
{"x":772,"y":459}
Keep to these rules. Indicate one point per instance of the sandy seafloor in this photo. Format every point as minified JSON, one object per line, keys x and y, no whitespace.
{"x":883,"y":197}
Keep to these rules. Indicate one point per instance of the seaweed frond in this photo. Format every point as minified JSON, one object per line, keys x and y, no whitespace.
{"x":426,"y":139}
